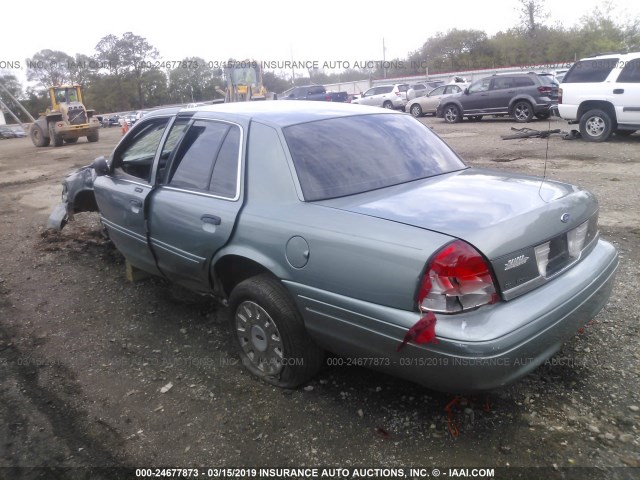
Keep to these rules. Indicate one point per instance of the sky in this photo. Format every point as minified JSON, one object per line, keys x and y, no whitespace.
{"x":321,"y":31}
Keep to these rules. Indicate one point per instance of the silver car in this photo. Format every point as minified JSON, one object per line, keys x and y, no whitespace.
{"x":429,"y":103}
{"x":352,"y":230}
{"x":386,"y":96}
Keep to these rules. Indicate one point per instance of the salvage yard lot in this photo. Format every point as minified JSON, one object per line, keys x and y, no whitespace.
{"x":84,"y":354}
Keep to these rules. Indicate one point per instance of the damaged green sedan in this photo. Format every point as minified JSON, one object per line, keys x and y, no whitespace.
{"x":328,"y":227}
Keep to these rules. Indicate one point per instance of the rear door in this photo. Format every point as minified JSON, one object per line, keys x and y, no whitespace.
{"x":193,"y":211}
{"x":122,"y":194}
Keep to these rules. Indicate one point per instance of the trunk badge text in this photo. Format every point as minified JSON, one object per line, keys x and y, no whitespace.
{"x":515,"y":262}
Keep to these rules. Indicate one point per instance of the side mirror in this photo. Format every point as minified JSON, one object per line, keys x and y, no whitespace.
{"x":100,"y":166}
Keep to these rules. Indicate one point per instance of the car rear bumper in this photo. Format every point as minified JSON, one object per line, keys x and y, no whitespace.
{"x":478,"y":351}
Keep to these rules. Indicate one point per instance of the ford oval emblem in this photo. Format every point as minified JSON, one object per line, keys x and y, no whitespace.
{"x":565,"y":218}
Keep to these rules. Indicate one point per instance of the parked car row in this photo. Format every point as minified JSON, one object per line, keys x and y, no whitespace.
{"x":11,"y":131}
{"x":114,"y":119}
{"x":522,"y":96}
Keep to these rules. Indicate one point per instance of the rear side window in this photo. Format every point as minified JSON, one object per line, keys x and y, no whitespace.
{"x":207,"y":158}
{"x":500,"y":83}
{"x":590,"y":71}
{"x":631,"y":72}
{"x":403,"y":88}
{"x":526,"y":81}
{"x":349,"y":155}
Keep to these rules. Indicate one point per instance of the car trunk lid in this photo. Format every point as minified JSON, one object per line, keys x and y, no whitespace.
{"x":505,"y":216}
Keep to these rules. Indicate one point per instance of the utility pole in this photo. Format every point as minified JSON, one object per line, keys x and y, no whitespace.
{"x":384,"y":59}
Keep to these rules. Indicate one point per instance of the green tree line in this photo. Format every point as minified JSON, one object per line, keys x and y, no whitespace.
{"x":127,"y":73}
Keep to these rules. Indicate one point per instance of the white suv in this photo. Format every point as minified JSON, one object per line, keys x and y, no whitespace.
{"x":602,"y":94}
{"x":387,"y":96}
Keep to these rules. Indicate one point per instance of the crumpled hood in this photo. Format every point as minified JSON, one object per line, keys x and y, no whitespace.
{"x":497,"y":212}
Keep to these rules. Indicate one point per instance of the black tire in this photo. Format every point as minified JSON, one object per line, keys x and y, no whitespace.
{"x":93,"y":136}
{"x":475,"y":118}
{"x":37,"y":136}
{"x":70,"y":140}
{"x":55,"y":138}
{"x":451,"y":114}
{"x":543,"y":116}
{"x":595,"y":126}
{"x":280,"y":333}
{"x":624,"y":133}
{"x":388,"y":105}
{"x":522,"y":111}
{"x":416,"y":110}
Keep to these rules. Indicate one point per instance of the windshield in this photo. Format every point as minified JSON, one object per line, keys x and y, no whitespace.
{"x":350,"y":155}
{"x":244,"y":76}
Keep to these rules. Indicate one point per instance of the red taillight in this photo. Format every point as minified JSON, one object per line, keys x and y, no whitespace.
{"x":457,"y":278}
{"x":545,"y":90}
{"x":559,"y":95}
{"x":328,"y":98}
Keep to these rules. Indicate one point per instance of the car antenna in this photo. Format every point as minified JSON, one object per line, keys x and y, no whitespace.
{"x":546,"y":158}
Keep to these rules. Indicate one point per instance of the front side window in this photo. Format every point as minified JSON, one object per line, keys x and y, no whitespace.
{"x":350,"y":155}
{"x":631,"y":72}
{"x":480,"y":86}
{"x":136,"y":157}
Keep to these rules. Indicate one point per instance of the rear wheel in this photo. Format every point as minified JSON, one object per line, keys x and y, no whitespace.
{"x":37,"y":136}
{"x":522,"y":112}
{"x":452,"y":114}
{"x":270,"y":333}
{"x":416,"y":110}
{"x":57,"y":139}
{"x":93,"y":136}
{"x":595,"y":126}
{"x":388,"y":105}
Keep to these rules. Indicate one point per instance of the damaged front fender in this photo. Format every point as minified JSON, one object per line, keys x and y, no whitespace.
{"x":77,"y":196}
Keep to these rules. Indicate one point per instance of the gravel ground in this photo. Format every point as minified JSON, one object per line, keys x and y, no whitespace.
{"x":84,"y":355}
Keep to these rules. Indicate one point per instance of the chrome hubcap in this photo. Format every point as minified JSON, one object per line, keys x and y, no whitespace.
{"x":451,"y":115}
{"x":522,"y":111}
{"x":595,"y":126}
{"x":415,"y":110}
{"x":259,"y":338}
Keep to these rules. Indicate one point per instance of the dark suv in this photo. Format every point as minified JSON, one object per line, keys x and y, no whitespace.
{"x":521,"y":95}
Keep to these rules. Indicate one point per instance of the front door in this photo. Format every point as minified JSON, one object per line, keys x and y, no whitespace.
{"x":121,"y":195}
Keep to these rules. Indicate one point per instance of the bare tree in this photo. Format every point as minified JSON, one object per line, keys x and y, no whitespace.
{"x":532,"y":14}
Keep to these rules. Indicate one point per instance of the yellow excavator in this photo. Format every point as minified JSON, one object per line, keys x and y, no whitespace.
{"x":244,"y":81}
{"x":65,"y":120}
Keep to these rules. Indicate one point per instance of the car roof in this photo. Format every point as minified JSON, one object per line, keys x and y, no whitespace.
{"x":282,"y":113}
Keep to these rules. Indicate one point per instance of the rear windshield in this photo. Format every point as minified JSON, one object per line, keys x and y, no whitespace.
{"x":590,"y":71}
{"x":349,"y":155}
